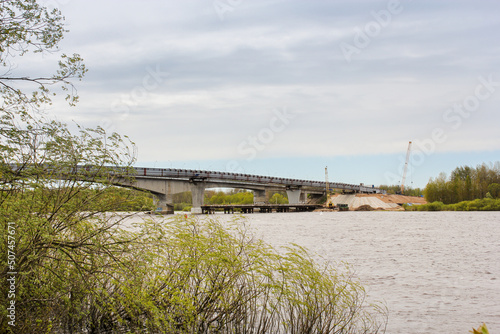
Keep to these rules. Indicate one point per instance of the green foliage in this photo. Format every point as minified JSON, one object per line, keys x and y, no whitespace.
{"x":186,"y":276}
{"x":278,"y":198}
{"x":183,"y":201}
{"x":465,"y":184}
{"x":217,"y":279}
{"x":233,"y":197}
{"x":63,"y":238}
{"x":63,"y":241}
{"x":481,"y":330}
{"x":484,"y":204}
{"x":434,"y":206}
{"x":26,"y":26}
{"x":494,"y":190}
{"x":110,"y":198}
{"x":395,"y":189}
{"x":122,"y":199}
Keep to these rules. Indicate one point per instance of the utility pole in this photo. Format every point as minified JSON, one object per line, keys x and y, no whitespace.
{"x":326,"y":181}
{"x":405,"y":169}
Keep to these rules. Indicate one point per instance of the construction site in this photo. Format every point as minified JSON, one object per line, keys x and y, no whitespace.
{"x":370,"y":202}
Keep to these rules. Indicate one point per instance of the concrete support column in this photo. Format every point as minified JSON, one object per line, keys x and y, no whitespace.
{"x":303,"y":197}
{"x":164,"y":204}
{"x":294,"y":196}
{"x":259,"y":197}
{"x":198,"y":195}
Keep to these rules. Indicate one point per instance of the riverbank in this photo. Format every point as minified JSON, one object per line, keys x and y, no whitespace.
{"x":482,"y":204}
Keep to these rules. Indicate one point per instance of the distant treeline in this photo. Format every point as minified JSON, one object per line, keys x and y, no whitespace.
{"x":467,"y":189}
{"x":396,"y":189}
{"x":480,"y":204}
{"x":465,"y":184}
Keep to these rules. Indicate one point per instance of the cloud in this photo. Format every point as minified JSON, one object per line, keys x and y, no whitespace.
{"x":225,"y":77}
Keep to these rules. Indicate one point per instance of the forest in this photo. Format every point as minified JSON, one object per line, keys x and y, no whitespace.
{"x":466,"y":189}
{"x":465,"y":184}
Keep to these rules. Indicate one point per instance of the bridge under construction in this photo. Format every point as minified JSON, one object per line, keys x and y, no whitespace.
{"x":165,"y":182}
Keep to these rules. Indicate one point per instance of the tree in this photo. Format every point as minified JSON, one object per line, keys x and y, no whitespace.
{"x":396,"y":189}
{"x":465,"y":184}
{"x":51,"y":210}
{"x":27,"y":27}
{"x":461,"y":173}
{"x":278,"y":198}
{"x":494,"y":190}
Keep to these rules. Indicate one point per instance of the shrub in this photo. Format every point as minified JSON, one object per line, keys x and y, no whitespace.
{"x":461,"y":206}
{"x":207,"y":278}
{"x":182,"y":206}
{"x":485,"y":204}
{"x":491,"y":205}
{"x":194,"y":276}
{"x":434,"y":206}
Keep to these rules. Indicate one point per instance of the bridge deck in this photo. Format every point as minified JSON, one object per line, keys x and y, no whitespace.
{"x":202,"y":175}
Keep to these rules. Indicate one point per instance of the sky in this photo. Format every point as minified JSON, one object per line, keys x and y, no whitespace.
{"x":288,"y":87}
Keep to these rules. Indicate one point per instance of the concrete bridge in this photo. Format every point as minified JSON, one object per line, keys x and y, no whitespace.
{"x":165,"y":182}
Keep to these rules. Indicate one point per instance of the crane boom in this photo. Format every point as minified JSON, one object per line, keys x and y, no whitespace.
{"x":406,"y":168}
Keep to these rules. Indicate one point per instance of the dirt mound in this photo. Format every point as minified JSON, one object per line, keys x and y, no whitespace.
{"x":364,"y":208}
{"x":375,"y":201}
{"x":396,"y":199}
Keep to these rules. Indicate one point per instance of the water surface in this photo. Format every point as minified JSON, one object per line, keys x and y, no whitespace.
{"x":436,"y":271}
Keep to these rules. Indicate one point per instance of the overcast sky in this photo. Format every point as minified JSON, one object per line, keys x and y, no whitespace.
{"x":287,"y":87}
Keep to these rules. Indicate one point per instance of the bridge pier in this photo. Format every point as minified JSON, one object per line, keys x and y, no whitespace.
{"x":164,"y":203}
{"x":198,"y":195}
{"x":295,"y":196}
{"x":259,"y":196}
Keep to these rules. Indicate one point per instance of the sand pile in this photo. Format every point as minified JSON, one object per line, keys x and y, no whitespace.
{"x":364,"y":202}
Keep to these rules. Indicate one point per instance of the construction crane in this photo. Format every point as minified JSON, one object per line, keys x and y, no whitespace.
{"x":406,"y":168}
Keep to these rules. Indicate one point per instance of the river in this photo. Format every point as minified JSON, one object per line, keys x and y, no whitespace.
{"x":435,"y":271}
